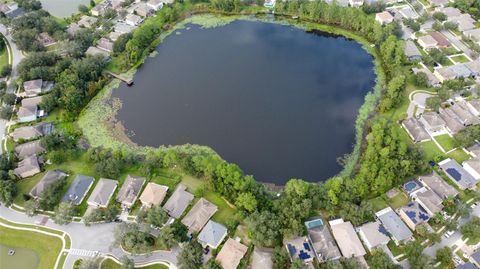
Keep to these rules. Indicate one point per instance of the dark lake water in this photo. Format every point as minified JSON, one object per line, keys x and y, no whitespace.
{"x":279,"y":102}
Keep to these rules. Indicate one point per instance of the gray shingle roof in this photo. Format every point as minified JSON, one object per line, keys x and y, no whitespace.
{"x":102,"y":192}
{"x":49,"y":178}
{"x":438,"y":185}
{"x":394,"y":225}
{"x":178,"y":202}
{"x":29,"y":149}
{"x":457,"y":174}
{"x":262,"y":258}
{"x":78,"y":189}
{"x":130,"y":190}
{"x":212,"y":234}
{"x":199,"y":215}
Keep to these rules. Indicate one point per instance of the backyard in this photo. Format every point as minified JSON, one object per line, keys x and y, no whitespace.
{"x":446,"y":142}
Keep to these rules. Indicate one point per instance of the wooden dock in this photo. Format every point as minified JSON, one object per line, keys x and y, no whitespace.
{"x":129,"y":81}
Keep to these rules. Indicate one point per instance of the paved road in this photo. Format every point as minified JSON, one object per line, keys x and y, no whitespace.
{"x":98,"y":237}
{"x":457,"y":42}
{"x":456,"y":237}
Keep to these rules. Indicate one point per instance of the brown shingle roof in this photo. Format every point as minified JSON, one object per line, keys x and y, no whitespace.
{"x":231,"y":254}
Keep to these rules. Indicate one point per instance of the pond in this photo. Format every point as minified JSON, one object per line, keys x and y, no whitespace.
{"x":63,"y":8}
{"x":276,"y":100}
{"x":23,"y":258}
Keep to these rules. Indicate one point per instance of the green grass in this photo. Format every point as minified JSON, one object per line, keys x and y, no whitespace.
{"x":379,"y":203}
{"x":110,"y":264}
{"x":446,"y":142}
{"x":459,"y":155}
{"x":399,"y":200}
{"x":396,"y":250}
{"x":62,"y":260}
{"x":47,"y":247}
{"x":431,"y":151}
{"x":3,"y":57}
{"x":460,"y":59}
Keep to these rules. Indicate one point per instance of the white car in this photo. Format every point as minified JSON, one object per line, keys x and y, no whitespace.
{"x":449,"y":233}
{"x":473,"y":205}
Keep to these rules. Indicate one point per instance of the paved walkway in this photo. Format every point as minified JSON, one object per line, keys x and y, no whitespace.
{"x":457,"y":42}
{"x":87,"y":240}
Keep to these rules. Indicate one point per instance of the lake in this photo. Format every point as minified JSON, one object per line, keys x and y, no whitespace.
{"x":63,"y":8}
{"x":276,"y":100}
{"x":23,"y":258}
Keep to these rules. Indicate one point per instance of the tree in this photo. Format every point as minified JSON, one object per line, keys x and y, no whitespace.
{"x":89,"y":264}
{"x":420,"y":79}
{"x":439,"y":16}
{"x":246,"y":201}
{"x":393,"y":94}
{"x":414,"y":253}
{"x":132,"y":238}
{"x":212,"y":264}
{"x":120,"y":44}
{"x":466,"y":137}
{"x":9,"y":98}
{"x":434,"y":103}
{"x":83,"y":9}
{"x":472,"y":229}
{"x":263,"y":228}
{"x":64,"y":213}
{"x":5,"y":71}
{"x":380,"y":260}
{"x":52,"y":194}
{"x":437,"y":26}
{"x":6,"y":112}
{"x":450,"y":25}
{"x":8,"y":191}
{"x":156,"y":216}
{"x":127,"y":263}
{"x":298,"y":264}
{"x":31,"y":207}
{"x":191,"y":256}
{"x":280,"y":258}
{"x":166,"y":238}
{"x":438,"y":56}
{"x":444,"y":255}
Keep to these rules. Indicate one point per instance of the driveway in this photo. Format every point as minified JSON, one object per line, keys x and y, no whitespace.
{"x":457,"y":42}
{"x":88,"y":239}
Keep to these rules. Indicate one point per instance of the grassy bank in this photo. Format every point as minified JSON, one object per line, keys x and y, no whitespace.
{"x":110,"y":264}
{"x":46,"y":247}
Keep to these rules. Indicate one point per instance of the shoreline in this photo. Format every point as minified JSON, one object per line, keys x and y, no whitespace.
{"x":112,"y":134}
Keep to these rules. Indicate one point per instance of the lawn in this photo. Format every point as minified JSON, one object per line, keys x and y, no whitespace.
{"x":446,"y":142}
{"x":399,"y":200}
{"x":3,"y":56}
{"x":459,"y":155}
{"x":460,"y":59}
{"x":110,"y":264}
{"x":47,"y":247}
{"x":378,"y":203}
{"x":431,"y":151}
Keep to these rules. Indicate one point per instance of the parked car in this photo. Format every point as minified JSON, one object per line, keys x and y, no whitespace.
{"x":449,"y":233}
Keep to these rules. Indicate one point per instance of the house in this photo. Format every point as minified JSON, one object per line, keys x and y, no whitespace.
{"x":356,"y":3}
{"x":457,"y":174}
{"x":373,"y":234}
{"x":114,"y":36}
{"x":105,"y":45}
{"x":474,"y":150}
{"x":117,"y":4}
{"x":155,"y":4}
{"x":474,"y":107}
{"x":347,"y":239}
{"x":78,"y":189}
{"x":102,"y":193}
{"x":45,"y":39}
{"x":29,"y":109}
{"x":124,"y":28}
{"x":452,"y":72}
{"x":452,"y":122}
{"x":465,"y":22}
{"x":428,"y":200}
{"x":433,"y":123}
{"x":262,"y":258}
{"x":199,"y":215}
{"x":432,"y":80}
{"x":73,"y":28}
{"x":414,"y":214}
{"x":128,"y":193}
{"x":37,"y":86}
{"x":12,"y":10}
{"x":408,"y":13}
{"x":467,"y":265}
{"x":463,"y":114}
{"x":475,"y":258}
{"x":472,"y":166}
{"x":212,"y":234}
{"x":31,"y":132}
{"x":394,"y":225}
{"x":29,"y":149}
{"x":323,"y":244}
{"x":299,"y":248}
{"x":49,"y":178}
{"x":438,"y":3}
{"x":178,"y":202}
{"x":384,"y":17}
{"x":133,"y":20}
{"x":231,"y":254}
{"x":27,"y":167}
{"x":94,"y":51}
{"x":442,"y":41}
{"x":415,"y":130}
{"x":100,"y":9}
{"x":143,"y":10}
{"x":436,"y":183}
{"x":473,"y":34}
{"x":450,"y":11}
{"x":153,"y":194}
{"x":427,"y":42}
{"x":87,"y":21}
{"x":411,"y":51}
